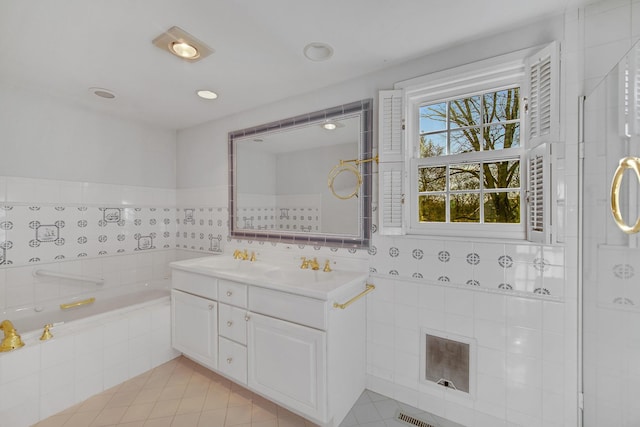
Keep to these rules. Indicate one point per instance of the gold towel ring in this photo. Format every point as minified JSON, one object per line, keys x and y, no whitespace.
{"x":625,"y":163}
{"x":342,"y":168}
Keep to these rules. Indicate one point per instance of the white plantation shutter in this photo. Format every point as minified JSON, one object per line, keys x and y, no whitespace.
{"x":542,"y":116}
{"x":538,"y":194}
{"x":391,"y":167}
{"x":542,"y":74}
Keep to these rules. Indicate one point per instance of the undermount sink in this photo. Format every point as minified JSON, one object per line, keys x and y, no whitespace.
{"x":300,"y":277}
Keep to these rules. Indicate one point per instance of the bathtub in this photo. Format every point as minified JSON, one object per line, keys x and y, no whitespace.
{"x":124,"y":333}
{"x":31,"y":320}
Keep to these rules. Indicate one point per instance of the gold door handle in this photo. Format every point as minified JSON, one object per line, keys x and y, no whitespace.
{"x":625,"y":163}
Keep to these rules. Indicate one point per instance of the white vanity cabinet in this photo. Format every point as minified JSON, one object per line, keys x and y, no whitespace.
{"x":194,"y":327}
{"x":296,"y":350}
{"x":288,"y":363}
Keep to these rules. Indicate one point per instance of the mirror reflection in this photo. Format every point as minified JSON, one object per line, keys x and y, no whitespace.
{"x":281,"y":183}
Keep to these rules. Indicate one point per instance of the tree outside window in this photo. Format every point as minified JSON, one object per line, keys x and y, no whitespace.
{"x":485,"y":190}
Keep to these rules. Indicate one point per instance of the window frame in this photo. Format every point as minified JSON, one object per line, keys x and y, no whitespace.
{"x":487,"y":76}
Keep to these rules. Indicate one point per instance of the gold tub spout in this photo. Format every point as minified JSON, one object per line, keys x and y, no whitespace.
{"x":11,"y":339}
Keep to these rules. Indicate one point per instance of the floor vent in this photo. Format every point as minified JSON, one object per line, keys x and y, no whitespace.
{"x":413,"y":421}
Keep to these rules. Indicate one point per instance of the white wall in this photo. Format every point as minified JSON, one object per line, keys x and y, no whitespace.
{"x":48,"y":138}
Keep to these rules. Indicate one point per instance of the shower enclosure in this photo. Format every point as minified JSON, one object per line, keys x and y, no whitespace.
{"x":610,"y":246}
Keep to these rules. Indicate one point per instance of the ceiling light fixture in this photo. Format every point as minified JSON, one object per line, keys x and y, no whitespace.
{"x":318,"y":51}
{"x":102,"y":93}
{"x":330,"y":125}
{"x":184,"y":50}
{"x":207,"y":94}
{"x":182,"y":44}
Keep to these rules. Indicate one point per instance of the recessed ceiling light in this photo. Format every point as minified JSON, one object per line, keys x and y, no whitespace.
{"x":182,"y":44}
{"x":330,"y":125}
{"x":102,"y":93}
{"x":184,"y":50}
{"x":317,"y":51}
{"x":207,"y":94}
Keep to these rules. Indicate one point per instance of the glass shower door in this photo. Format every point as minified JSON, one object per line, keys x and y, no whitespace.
{"x":611,"y":253}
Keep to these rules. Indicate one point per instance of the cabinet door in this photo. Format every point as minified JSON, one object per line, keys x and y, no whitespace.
{"x":287,"y":362}
{"x":194,"y":327}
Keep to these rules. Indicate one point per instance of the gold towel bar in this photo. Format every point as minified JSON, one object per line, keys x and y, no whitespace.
{"x":77,"y":304}
{"x":369,"y":288}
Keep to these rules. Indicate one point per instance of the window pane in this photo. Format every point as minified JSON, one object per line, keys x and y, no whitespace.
{"x":465,"y":112}
{"x":498,"y":137}
{"x":465,"y":176}
{"x":433,"y":145}
{"x":465,"y":207}
{"x":504,"y":174}
{"x":432,"y":208}
{"x":502,"y":105}
{"x":432,"y":179}
{"x":433,"y":117}
{"x":502,"y":207}
{"x":464,"y":141}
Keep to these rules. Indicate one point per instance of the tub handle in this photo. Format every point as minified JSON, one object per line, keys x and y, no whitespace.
{"x":229,"y":323}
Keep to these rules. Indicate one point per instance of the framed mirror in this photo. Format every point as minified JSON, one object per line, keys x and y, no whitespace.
{"x":280,"y":185}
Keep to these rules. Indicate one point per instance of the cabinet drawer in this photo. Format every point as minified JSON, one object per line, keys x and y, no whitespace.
{"x":232,"y":293}
{"x":295,"y":308}
{"x":232,"y":323}
{"x":194,"y":283}
{"x":233,"y":360}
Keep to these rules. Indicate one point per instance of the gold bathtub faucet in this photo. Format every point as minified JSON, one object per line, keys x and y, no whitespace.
{"x":11,"y":339}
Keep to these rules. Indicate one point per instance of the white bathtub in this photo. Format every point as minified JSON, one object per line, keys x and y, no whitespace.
{"x":94,"y":347}
{"x":31,"y":320}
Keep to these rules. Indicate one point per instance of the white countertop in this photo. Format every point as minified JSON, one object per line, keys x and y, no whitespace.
{"x":284,"y":277}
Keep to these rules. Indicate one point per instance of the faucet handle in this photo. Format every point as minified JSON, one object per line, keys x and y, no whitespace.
{"x":46,"y":334}
{"x":327,"y":266}
{"x":253,"y":256}
{"x":305,"y":263}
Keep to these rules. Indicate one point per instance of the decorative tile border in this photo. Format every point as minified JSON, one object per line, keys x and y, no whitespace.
{"x":37,"y":233}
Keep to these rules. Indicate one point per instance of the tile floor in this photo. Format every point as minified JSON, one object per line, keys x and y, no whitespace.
{"x":181,"y":393}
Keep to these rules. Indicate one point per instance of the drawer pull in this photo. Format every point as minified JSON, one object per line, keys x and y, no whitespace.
{"x":247,"y":317}
{"x":229,"y":293}
{"x":229,"y":360}
{"x":229,"y":323}
{"x":211,"y":306}
{"x":368,"y":288}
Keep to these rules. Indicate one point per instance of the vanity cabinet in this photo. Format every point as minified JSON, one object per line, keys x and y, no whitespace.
{"x":194,"y":327}
{"x":288,"y":362}
{"x":296,"y":350}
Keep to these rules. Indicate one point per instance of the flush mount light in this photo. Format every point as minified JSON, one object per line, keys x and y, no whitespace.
{"x":207,"y":94}
{"x":317,"y":51}
{"x":182,"y":44}
{"x":102,"y":93}
{"x":330,"y":125}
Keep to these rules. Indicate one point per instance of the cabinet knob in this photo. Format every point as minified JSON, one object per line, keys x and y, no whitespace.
{"x":229,"y":323}
{"x":247,"y":317}
{"x":229,"y":360}
{"x":211,"y":306}
{"x":229,"y":293}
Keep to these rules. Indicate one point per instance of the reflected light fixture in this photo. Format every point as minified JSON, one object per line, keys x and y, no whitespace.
{"x":182,"y":44}
{"x":330,"y":125}
{"x":207,"y":94}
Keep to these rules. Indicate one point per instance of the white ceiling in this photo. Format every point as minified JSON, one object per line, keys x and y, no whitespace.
{"x":63,"y":47}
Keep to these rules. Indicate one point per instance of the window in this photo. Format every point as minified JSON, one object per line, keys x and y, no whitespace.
{"x":455,"y":147}
{"x":468,"y":166}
